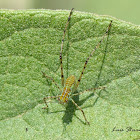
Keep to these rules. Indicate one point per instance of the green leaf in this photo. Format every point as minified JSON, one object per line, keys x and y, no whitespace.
{"x":30,"y":43}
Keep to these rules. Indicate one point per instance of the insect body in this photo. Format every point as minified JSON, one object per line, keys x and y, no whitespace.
{"x":67,"y":89}
{"x":71,"y":85}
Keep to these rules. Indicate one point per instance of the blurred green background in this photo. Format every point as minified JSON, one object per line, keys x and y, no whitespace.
{"x":128,"y":10}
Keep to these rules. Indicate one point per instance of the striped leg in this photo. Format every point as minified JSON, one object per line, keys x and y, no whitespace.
{"x":62,"y":75}
{"x":80,"y":110}
{"x":77,"y":84}
{"x":49,"y":97}
{"x":51,"y":80}
{"x":91,"y":89}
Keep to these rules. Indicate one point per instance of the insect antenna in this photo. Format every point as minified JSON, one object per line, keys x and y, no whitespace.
{"x":62,"y":75}
{"x":77,"y":84}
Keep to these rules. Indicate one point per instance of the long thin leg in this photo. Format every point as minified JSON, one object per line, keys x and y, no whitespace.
{"x":91,"y":89}
{"x":77,"y":84}
{"x":49,"y":97}
{"x":81,"y":111}
{"x":51,"y":80}
{"x":62,"y":75}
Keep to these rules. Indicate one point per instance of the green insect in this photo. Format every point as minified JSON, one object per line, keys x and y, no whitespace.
{"x":71,"y":80}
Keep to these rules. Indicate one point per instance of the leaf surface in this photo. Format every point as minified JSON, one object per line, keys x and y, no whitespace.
{"x":30,"y":43}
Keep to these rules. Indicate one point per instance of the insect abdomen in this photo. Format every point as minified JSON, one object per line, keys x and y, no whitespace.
{"x":65,"y":95}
